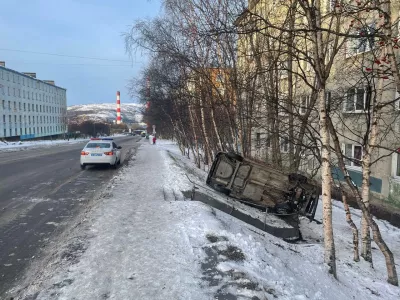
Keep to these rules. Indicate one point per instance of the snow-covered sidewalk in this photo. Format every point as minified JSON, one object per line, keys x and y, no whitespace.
{"x":138,"y":242}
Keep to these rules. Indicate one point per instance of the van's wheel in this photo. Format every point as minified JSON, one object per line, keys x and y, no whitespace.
{"x":83,"y":167}
{"x":235,"y":156}
{"x":221,"y":189}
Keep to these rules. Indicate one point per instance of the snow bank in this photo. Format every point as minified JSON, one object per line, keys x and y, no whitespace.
{"x":23,"y":145}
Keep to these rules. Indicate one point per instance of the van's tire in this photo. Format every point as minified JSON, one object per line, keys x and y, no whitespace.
{"x":83,"y":167}
{"x":221,"y":189}
{"x":235,"y":156}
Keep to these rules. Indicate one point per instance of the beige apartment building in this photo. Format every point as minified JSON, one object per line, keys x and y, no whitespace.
{"x":278,"y":125}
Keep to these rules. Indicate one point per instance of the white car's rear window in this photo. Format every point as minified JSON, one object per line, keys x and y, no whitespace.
{"x":98,"y":145}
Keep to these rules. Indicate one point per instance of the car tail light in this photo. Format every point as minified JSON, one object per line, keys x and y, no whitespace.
{"x":109,"y":153}
{"x":84,"y":153}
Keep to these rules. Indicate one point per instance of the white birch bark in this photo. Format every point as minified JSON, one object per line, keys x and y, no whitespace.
{"x":329,"y":243}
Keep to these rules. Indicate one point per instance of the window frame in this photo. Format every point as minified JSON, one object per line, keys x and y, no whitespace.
{"x":396,"y":165}
{"x":367,"y":91}
{"x":283,"y":143}
{"x":352,"y":164}
{"x":369,"y":42}
{"x":258,"y":140}
{"x":303,"y":109}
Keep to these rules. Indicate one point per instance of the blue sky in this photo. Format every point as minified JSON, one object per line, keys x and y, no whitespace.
{"x":90,"y":28}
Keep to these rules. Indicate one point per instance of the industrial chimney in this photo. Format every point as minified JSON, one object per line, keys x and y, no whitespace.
{"x":118,"y":108}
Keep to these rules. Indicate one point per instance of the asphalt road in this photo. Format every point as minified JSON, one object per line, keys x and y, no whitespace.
{"x":40,"y":190}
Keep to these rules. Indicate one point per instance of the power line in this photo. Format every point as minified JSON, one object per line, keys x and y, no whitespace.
{"x":64,"y":55}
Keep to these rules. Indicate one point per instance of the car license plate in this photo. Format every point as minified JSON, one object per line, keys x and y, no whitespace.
{"x":96,"y":154}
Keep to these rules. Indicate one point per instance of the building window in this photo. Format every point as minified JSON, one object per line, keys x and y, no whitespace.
{"x":15,"y":106}
{"x":364,"y":43}
{"x":396,"y":164}
{"x":9,"y":105}
{"x":24,"y":106}
{"x":258,"y":140}
{"x":23,"y":81}
{"x":20,"y":106}
{"x":9,"y":91}
{"x":357,"y":99}
{"x":4,"y":104}
{"x":353,"y":155}
{"x":14,"y":92}
{"x":284,"y":144}
{"x":305,"y":104}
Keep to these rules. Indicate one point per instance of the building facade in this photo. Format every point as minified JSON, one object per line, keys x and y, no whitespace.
{"x":354,"y":80}
{"x":29,"y":107}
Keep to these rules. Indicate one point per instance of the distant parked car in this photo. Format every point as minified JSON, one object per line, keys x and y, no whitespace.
{"x":264,"y":186}
{"x":100,"y":151}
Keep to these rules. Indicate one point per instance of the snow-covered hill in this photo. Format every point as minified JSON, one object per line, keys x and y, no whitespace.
{"x":105,"y":112}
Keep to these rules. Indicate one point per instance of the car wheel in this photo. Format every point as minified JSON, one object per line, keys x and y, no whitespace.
{"x":83,"y":167}
{"x":114,"y":166}
{"x":235,"y":156}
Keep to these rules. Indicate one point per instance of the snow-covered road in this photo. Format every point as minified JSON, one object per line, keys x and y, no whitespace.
{"x":138,"y":242}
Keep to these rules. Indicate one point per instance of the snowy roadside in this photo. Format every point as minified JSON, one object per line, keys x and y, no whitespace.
{"x":25,"y":145}
{"x":28,"y":145}
{"x":141,"y":243}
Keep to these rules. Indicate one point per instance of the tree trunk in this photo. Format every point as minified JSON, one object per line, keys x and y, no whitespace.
{"x":196,"y":144}
{"x":376,"y":234}
{"x":218,"y":136}
{"x":326,"y":173}
{"x":206,"y":139}
{"x":352,"y":225}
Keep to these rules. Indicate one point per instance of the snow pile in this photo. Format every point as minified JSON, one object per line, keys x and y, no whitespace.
{"x":144,"y":241}
{"x":22,"y":145}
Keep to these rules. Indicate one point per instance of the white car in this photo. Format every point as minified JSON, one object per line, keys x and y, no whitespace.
{"x":100,"y":151}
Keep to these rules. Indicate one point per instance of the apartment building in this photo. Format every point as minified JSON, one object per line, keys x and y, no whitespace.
{"x":29,"y":107}
{"x":349,"y":91}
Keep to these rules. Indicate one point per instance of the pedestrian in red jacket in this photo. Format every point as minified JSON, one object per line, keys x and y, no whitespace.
{"x":154,"y":139}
